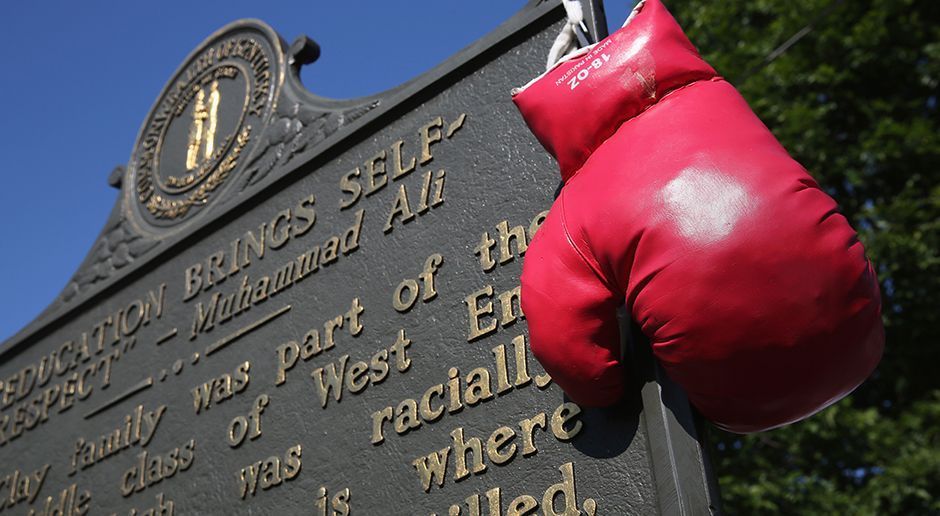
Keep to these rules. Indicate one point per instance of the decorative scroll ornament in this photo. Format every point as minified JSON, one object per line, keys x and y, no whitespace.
{"x":205,"y":122}
{"x":116,"y":249}
{"x":294,"y":129}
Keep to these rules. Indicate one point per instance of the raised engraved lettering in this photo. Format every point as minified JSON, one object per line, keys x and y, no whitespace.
{"x":375,"y":168}
{"x":350,"y":186}
{"x":163,"y":506}
{"x":269,"y":472}
{"x":483,"y":319}
{"x":430,"y":133}
{"x":456,"y":392}
{"x":69,"y":501}
{"x":335,"y":377}
{"x":406,"y":294}
{"x":150,"y":469}
{"x":506,"y":236}
{"x":401,"y":209}
{"x":289,"y":352}
{"x":247,"y":426}
{"x":470,"y":453}
{"x":288,"y":223}
{"x":23,"y":486}
{"x":391,"y":164}
{"x":223,"y":306}
{"x":401,"y":168}
{"x":138,"y":427}
{"x":219,"y":389}
{"x":338,"y":506}
{"x":476,"y":311}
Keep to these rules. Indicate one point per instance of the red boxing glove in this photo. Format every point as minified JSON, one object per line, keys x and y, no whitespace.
{"x":753,"y":290}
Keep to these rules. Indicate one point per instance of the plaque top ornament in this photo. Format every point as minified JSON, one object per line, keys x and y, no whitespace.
{"x":203,"y":126}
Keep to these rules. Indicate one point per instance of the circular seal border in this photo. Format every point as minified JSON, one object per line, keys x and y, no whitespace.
{"x":245,"y":137}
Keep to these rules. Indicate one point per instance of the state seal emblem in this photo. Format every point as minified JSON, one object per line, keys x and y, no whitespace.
{"x":204,"y":125}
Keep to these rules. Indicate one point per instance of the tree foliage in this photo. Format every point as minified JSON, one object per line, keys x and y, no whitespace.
{"x":856,"y":102}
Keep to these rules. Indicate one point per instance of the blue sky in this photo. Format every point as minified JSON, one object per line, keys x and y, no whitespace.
{"x":78,"y":79}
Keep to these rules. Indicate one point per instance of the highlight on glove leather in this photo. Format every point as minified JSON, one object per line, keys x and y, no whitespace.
{"x":752,"y":288}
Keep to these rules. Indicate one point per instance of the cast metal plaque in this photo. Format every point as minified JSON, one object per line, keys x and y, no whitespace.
{"x":307,"y":306}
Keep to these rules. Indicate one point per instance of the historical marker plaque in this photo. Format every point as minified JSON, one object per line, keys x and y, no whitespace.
{"x":304,"y":306}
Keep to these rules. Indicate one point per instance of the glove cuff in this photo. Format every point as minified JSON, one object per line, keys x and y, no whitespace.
{"x":582,"y":100}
